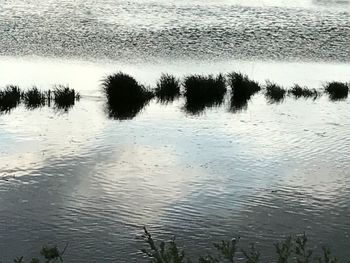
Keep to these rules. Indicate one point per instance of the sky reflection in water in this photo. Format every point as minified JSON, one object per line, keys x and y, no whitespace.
{"x":266,"y":171}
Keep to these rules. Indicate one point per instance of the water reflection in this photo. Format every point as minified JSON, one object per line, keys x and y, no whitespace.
{"x":125,"y":111}
{"x":232,"y":176}
{"x":85,"y":178}
{"x":238,"y":104}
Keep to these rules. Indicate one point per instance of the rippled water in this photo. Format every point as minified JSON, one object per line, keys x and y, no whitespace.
{"x":143,"y":30}
{"x":82,"y":178}
{"x":261,"y":173}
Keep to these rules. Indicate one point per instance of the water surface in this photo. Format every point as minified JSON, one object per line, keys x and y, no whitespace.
{"x":260,"y":173}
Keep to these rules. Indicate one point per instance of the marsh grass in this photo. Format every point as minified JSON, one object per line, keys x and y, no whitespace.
{"x":203,"y":91}
{"x":64,"y":97}
{"x":299,"y":91}
{"x":274,"y":93}
{"x":34,"y":98}
{"x":292,"y":249}
{"x":337,"y":90}
{"x":125,"y":96}
{"x":49,"y":255}
{"x":168,"y":88}
{"x":242,"y":89}
{"x":9,"y":98}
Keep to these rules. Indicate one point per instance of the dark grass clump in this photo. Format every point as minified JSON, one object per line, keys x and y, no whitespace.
{"x":274,"y":92}
{"x":337,"y":90}
{"x":242,"y":89}
{"x":298,"y":92}
{"x":168,"y":88}
{"x":34,"y":98}
{"x":125,"y":96}
{"x":9,"y":98}
{"x":64,"y":97}
{"x":204,"y":91}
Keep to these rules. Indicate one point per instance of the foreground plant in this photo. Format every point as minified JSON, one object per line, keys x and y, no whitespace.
{"x":292,"y":249}
{"x":49,"y":255}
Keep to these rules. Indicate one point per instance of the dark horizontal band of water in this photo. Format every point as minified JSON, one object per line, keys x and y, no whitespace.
{"x":134,"y":31}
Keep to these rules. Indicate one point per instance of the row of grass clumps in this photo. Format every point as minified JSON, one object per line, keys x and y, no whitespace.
{"x":62,"y":96}
{"x":126,"y":97}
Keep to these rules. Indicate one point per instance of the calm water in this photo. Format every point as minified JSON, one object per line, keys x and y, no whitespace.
{"x":261,"y":174}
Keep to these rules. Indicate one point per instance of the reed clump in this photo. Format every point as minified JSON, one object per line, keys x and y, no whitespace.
{"x":125,"y":96}
{"x":63,"y":96}
{"x":168,"y":88}
{"x":9,"y":98}
{"x":204,"y":91}
{"x":274,"y":92}
{"x":337,"y":90}
{"x":34,"y":98}
{"x":242,"y":89}
{"x":299,"y":91}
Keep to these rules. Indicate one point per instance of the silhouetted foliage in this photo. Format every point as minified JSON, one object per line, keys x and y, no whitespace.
{"x":242,"y":89}
{"x":327,"y":256}
{"x":49,"y":254}
{"x":298,"y":91}
{"x":34,"y":98}
{"x":166,"y":252}
{"x":284,"y":250}
{"x":203,"y":91}
{"x":64,"y":97}
{"x":337,"y":90}
{"x":168,"y":88}
{"x":9,"y":98}
{"x":292,"y":249}
{"x":303,"y":255}
{"x":252,"y":256}
{"x":274,"y":93}
{"x":289,"y":250}
{"x":125,"y":96}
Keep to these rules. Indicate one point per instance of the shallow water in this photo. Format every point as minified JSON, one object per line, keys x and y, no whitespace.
{"x":261,"y":173}
{"x":82,"y":178}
